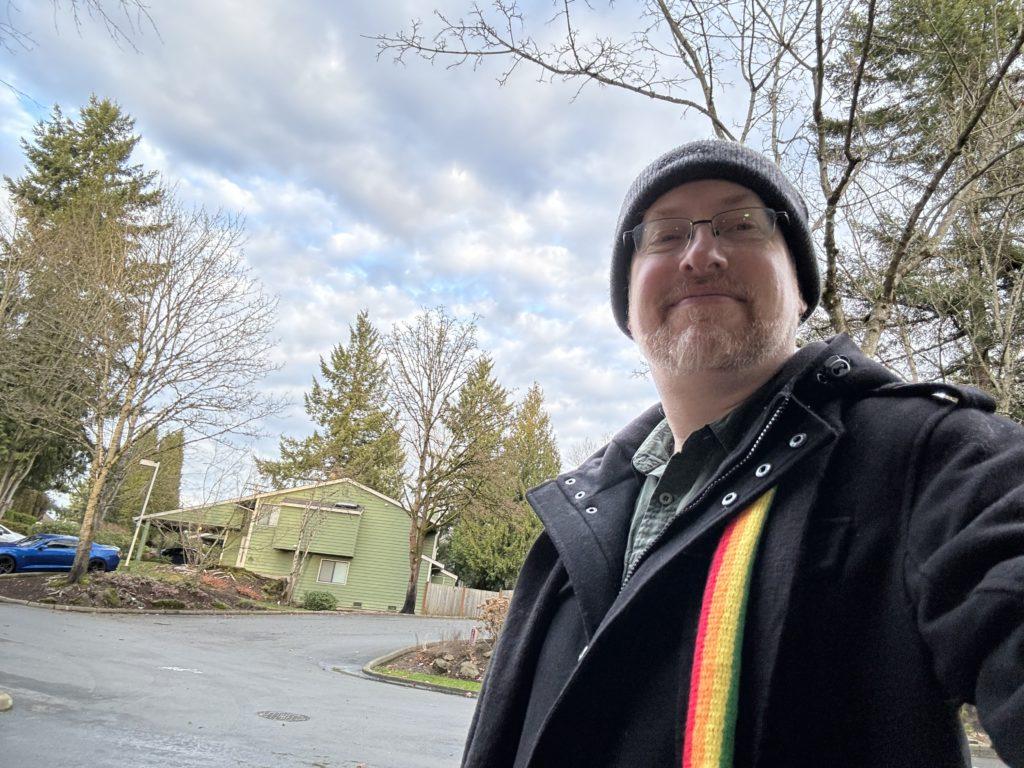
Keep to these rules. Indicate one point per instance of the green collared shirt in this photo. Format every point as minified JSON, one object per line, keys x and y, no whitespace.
{"x":674,"y":479}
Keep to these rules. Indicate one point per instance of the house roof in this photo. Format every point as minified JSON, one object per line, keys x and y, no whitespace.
{"x":266,"y":494}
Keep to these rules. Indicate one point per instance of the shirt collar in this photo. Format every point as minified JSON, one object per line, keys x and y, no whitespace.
{"x":658,"y":447}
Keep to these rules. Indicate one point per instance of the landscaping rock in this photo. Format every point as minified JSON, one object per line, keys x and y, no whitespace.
{"x":441,"y":664}
{"x":469,"y":670}
{"x":449,"y":658}
{"x":6,"y":702}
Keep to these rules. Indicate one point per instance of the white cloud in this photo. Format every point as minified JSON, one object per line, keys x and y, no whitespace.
{"x":367,"y":184}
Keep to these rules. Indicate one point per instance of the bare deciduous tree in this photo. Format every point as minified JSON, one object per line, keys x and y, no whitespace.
{"x":120,"y":19}
{"x":891,"y":114}
{"x":311,"y":519}
{"x":429,"y":361}
{"x":177,"y":334}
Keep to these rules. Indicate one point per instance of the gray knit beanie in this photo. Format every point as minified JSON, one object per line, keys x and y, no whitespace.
{"x":714,"y":159}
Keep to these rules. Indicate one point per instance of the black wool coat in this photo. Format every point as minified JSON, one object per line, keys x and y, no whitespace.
{"x":888,"y":590}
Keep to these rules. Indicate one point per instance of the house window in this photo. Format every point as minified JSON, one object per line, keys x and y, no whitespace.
{"x":268,"y":515}
{"x":333,"y":572}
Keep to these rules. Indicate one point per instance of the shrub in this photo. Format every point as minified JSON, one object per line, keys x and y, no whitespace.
{"x":19,"y":521}
{"x":319,"y":601}
{"x":63,"y":527}
{"x":219,"y":605}
{"x":492,"y":615}
{"x":110,"y":598}
{"x":115,"y":537}
{"x":275,"y":589}
{"x":169,"y":602}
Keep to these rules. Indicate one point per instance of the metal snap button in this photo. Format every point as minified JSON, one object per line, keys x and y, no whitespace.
{"x":665,"y":498}
{"x":571,"y":481}
{"x":728,"y":499}
{"x":763,"y":470}
{"x":580,"y":494}
{"x":798,"y":439}
{"x":591,"y":510}
{"x":837,"y":366}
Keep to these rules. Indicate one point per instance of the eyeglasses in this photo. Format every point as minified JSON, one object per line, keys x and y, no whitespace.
{"x":741,"y":227}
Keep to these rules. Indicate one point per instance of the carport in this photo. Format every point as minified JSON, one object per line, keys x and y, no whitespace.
{"x":201,"y":525}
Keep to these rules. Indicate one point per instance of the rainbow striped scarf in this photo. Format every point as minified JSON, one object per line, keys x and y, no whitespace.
{"x":714,"y":680}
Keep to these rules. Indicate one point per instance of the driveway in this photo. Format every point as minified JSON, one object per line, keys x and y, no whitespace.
{"x":184,"y":691}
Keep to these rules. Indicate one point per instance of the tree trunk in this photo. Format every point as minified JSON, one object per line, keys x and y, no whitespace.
{"x":293,"y":574}
{"x":10,"y":481}
{"x":415,"y":545}
{"x":81,"y":564}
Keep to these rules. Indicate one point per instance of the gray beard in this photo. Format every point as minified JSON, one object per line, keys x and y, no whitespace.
{"x":704,"y":345}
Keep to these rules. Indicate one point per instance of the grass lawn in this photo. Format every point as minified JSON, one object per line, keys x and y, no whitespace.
{"x":422,"y":677}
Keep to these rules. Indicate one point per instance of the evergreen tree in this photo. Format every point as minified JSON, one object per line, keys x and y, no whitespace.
{"x":87,"y":161}
{"x":357,"y":434}
{"x":171,"y":455}
{"x":80,"y":200}
{"x":130,"y":493}
{"x":489,"y":542}
{"x":479,"y":423}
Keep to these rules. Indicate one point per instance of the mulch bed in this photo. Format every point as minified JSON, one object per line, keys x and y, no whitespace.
{"x":210,"y":590}
{"x":453,"y":653}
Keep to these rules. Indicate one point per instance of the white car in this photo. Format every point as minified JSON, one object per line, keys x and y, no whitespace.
{"x":7,"y":536}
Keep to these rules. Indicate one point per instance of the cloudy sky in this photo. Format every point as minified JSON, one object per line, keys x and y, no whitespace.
{"x":367,"y":183}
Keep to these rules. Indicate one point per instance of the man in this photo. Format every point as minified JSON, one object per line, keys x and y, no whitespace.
{"x":795,"y":559}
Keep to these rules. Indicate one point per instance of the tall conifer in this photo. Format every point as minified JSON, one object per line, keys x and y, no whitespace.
{"x":356,"y":434}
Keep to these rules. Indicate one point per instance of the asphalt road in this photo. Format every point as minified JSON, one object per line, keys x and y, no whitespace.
{"x":187,"y":691}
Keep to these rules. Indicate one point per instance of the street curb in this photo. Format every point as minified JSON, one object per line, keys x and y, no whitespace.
{"x":164,"y":611}
{"x":381,"y":660}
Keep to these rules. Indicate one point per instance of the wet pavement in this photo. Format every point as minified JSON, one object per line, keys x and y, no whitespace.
{"x":219,"y":691}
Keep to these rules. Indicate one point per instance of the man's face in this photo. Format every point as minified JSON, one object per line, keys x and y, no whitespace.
{"x":710,"y":306}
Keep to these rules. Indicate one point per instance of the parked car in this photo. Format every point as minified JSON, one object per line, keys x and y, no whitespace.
{"x":7,"y":536}
{"x":53,"y":552}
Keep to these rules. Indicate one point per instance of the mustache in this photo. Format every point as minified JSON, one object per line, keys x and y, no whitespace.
{"x":685,"y":289}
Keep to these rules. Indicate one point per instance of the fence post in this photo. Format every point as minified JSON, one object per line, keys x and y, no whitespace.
{"x":426,"y":588}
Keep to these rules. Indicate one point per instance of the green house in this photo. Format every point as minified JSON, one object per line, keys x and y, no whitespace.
{"x":357,"y":540}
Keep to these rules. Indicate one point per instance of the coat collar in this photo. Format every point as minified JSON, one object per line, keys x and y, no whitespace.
{"x":587,"y":511}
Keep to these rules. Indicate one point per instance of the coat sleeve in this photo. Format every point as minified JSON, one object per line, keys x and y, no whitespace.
{"x":965,"y":566}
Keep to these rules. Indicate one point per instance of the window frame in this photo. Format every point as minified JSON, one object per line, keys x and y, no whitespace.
{"x":268,"y":516}
{"x":320,"y":569}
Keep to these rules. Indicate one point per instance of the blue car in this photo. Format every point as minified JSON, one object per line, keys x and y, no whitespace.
{"x":53,"y":552}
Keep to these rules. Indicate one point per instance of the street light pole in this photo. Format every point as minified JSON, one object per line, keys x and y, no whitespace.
{"x":138,"y":524}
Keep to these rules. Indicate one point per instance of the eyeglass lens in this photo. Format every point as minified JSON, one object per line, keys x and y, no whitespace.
{"x":737,"y":227}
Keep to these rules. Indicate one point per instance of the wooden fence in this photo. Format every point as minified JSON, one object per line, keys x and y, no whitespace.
{"x":443,"y":600}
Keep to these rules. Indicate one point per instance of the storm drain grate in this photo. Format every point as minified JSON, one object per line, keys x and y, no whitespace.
{"x":284,"y":717}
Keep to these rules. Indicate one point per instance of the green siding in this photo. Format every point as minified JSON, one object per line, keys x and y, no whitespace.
{"x":229,"y":554}
{"x":379,"y":568}
{"x":335,"y":535}
{"x":263,"y":557}
{"x":375,"y":544}
{"x":226,"y":514}
{"x":442,"y":579}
